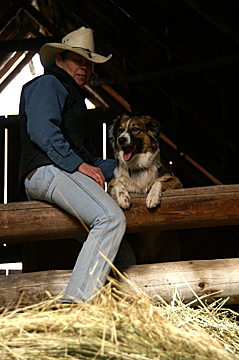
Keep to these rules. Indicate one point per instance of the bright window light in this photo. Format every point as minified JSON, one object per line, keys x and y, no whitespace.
{"x":16,"y":63}
{"x":89,"y":104}
{"x":10,"y":96}
{"x":11,"y":266}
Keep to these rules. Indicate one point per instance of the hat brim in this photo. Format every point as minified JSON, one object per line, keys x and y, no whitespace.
{"x":49,"y":51}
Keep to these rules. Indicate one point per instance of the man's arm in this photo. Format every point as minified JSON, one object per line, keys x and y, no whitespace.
{"x":45,"y":99}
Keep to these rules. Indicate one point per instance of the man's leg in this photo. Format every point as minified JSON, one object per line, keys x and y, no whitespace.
{"x":85,"y":199}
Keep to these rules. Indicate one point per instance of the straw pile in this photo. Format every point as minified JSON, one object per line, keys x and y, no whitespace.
{"x":119,"y":325}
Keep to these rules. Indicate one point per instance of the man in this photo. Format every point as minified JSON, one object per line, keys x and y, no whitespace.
{"x":57,"y":159}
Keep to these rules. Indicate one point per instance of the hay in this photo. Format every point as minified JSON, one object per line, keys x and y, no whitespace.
{"x":120,"y":325}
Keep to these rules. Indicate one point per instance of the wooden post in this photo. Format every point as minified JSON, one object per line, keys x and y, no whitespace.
{"x":204,"y":277}
{"x":179,"y":209}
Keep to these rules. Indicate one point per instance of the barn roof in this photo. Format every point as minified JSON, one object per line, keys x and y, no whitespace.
{"x":176,"y":60}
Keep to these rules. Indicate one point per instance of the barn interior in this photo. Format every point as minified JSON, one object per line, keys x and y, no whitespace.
{"x":175,"y":60}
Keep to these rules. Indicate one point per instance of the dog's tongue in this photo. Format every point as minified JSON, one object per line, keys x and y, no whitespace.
{"x":128,"y":152}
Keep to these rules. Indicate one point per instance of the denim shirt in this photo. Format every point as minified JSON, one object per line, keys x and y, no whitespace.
{"x":45,"y":100}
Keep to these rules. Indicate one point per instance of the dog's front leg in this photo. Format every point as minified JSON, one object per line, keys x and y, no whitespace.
{"x":122,"y":195}
{"x":155,"y":194}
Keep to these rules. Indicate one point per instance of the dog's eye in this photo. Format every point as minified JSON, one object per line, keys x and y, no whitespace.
{"x":135,"y":129}
{"x":120,"y":130}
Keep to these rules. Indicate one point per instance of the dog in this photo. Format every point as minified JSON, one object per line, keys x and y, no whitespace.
{"x":139,"y":169}
{"x":136,"y":145}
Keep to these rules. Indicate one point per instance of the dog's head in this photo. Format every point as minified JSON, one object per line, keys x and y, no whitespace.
{"x":135,"y":135}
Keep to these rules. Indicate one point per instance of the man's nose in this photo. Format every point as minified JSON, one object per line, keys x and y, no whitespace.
{"x":84,"y":65}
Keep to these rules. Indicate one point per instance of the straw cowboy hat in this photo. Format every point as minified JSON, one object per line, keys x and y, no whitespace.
{"x":80,"y":41}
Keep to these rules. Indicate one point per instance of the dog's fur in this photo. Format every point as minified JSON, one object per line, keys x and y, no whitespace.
{"x":138,"y":165}
{"x":135,"y":141}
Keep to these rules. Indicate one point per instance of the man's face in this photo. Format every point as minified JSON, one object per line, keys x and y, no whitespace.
{"x":77,"y":66}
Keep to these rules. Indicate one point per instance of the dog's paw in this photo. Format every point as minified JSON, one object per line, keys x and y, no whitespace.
{"x":123,"y":199}
{"x":152,"y":201}
{"x":154,"y":196}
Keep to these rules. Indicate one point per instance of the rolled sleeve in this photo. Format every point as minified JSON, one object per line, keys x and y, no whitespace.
{"x":107,"y":167}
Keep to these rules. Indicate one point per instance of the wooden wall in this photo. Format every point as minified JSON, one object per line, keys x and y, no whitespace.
{"x":50,"y":254}
{"x":196,"y":244}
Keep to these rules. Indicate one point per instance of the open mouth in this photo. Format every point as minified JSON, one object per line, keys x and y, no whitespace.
{"x":128,"y":152}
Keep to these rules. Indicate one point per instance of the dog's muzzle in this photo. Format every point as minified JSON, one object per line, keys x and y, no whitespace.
{"x":123,"y":141}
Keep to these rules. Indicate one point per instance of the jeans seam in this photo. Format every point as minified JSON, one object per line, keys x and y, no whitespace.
{"x":49,"y":182}
{"x":93,"y":257}
{"x":84,"y":282}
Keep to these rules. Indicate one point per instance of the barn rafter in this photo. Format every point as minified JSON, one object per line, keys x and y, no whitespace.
{"x":174,"y":60}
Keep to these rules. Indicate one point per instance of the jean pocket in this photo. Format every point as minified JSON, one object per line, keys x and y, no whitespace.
{"x":38,"y":186}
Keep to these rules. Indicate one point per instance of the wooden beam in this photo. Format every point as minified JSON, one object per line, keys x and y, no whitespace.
{"x":198,"y":115}
{"x":204,"y":277}
{"x":168,"y":72}
{"x":32,"y":286}
{"x":27,"y":44}
{"x":191,"y":161}
{"x":179,"y":209}
{"x":174,"y":47}
{"x":207,"y":10}
{"x":41,"y":20}
{"x":117,"y":97}
{"x":17,"y":70}
{"x":181,"y":166}
{"x":10,"y":63}
{"x":12,"y":11}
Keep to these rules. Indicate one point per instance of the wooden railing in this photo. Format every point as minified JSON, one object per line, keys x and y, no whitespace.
{"x":179,"y":209}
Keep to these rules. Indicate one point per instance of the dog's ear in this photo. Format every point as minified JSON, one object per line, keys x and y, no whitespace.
{"x":113,"y":130}
{"x":152,"y":127}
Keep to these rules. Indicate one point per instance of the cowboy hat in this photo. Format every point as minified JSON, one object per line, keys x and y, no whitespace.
{"x":79,"y":41}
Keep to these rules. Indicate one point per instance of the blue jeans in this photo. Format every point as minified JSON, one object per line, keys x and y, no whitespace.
{"x":82,"y":197}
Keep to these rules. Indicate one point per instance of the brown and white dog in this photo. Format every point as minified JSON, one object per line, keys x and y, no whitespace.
{"x":139,"y":170}
{"x":138,"y":165}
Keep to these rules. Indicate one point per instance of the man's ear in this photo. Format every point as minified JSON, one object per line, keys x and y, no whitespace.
{"x":59,"y":61}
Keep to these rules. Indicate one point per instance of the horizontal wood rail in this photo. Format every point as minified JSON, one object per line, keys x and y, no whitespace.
{"x":219,"y":277}
{"x":179,"y":209}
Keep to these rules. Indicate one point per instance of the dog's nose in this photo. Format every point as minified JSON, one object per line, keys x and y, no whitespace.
{"x":122,"y":140}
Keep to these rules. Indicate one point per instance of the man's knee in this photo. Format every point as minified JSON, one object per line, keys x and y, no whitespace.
{"x":113,"y":216}
{"x":121,"y":220}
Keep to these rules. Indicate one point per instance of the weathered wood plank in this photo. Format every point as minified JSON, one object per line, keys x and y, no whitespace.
{"x":203,"y":276}
{"x":179,"y":209}
{"x":32,"y":287}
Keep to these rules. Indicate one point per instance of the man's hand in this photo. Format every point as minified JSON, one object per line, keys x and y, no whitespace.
{"x":93,"y":172}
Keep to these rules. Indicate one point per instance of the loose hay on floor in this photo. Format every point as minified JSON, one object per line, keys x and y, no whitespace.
{"x":119,"y":326}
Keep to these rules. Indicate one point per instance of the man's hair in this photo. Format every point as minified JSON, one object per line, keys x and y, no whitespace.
{"x":63,"y":54}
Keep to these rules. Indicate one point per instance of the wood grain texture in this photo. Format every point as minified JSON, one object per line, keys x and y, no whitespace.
{"x":204,"y":277}
{"x":179,"y":209}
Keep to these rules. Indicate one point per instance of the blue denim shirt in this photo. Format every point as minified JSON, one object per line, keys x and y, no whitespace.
{"x":45,"y":100}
